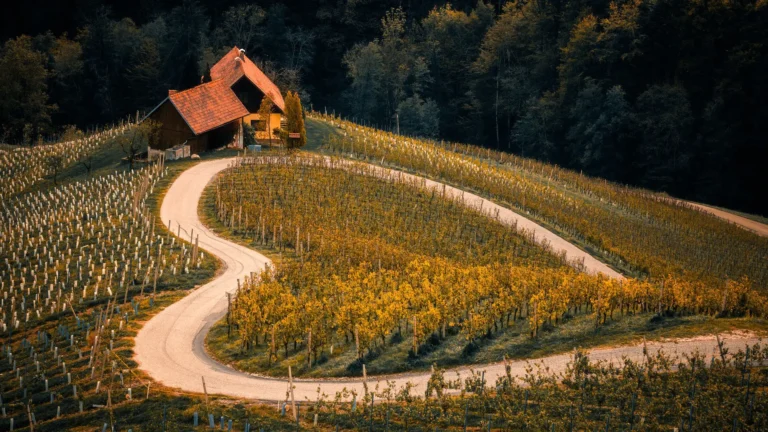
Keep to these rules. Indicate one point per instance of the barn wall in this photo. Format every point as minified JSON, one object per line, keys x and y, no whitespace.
{"x":173,"y":130}
{"x":198,"y":144}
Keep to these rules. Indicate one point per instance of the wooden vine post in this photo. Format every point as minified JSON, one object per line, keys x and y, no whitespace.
{"x":293,"y":400}
{"x":415,"y":339}
{"x":229,"y":311}
{"x":309,"y":349}
{"x":205,"y":390}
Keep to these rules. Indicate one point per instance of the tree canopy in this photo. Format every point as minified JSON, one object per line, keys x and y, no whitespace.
{"x":660,"y":93}
{"x":294,"y":121}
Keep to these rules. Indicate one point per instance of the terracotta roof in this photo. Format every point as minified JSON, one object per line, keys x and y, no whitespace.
{"x":208,"y":106}
{"x":230,"y":70}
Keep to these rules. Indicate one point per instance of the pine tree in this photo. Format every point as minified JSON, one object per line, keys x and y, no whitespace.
{"x":295,"y":121}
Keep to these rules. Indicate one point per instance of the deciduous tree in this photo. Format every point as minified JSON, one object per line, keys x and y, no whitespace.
{"x":25,"y":112}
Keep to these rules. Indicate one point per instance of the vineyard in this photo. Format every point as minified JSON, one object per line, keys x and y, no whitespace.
{"x":83,"y":264}
{"x":644,"y":233}
{"x":370,"y":265}
{"x":661,"y":392}
{"x":24,"y":167}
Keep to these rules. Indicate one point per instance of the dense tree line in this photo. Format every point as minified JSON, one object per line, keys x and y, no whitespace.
{"x":664,"y":94}
{"x":661,"y":93}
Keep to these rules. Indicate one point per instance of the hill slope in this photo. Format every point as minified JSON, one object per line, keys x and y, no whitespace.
{"x":640,"y":232}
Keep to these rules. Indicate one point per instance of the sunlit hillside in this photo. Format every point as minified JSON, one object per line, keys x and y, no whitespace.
{"x":641,"y":233}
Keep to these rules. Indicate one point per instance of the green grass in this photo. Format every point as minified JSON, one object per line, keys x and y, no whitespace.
{"x":317,"y":131}
{"x":109,"y":159}
{"x":106,"y":160}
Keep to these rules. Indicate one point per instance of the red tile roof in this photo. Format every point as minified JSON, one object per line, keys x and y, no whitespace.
{"x":208,"y":106}
{"x":231,"y":70}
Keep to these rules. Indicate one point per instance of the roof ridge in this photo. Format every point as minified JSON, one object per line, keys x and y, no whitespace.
{"x":248,"y":69}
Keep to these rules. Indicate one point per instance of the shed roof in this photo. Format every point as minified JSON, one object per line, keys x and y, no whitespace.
{"x":230,"y":70}
{"x":208,"y":106}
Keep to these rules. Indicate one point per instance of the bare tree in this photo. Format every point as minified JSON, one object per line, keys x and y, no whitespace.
{"x":86,"y":161}
{"x":130,"y":143}
{"x":55,"y":163}
{"x":242,"y":26}
{"x":138,"y":138}
{"x":302,"y":47}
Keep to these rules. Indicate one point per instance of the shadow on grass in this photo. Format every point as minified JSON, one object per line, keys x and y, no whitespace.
{"x":513,"y":341}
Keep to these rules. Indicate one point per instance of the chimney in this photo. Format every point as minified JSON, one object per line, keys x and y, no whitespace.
{"x":242,"y":54}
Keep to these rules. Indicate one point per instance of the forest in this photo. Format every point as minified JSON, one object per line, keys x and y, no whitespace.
{"x":664,"y":94}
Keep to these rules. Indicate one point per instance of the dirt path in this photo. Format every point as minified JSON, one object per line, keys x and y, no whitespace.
{"x":758,"y":228}
{"x":170,"y":347}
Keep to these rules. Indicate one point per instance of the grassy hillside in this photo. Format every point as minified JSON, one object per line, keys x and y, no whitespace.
{"x":77,"y":275}
{"x":381,"y":272}
{"x":84,"y":264}
{"x":640,"y":232}
{"x":26,"y":169}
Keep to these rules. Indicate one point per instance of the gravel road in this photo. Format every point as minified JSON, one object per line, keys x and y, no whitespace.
{"x":170,"y":346}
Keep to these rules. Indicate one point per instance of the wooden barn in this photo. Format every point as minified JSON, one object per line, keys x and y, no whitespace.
{"x":212,"y":114}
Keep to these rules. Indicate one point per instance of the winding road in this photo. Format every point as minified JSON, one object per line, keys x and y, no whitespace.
{"x":756,"y":227}
{"x":171,"y":346}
